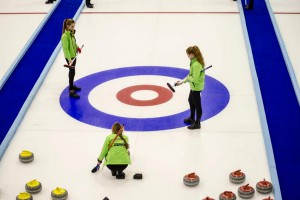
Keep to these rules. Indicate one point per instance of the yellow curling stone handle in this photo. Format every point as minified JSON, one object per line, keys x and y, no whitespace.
{"x":59,"y":191}
{"x":24,"y":195}
{"x":25,"y":153}
{"x":33,"y":183}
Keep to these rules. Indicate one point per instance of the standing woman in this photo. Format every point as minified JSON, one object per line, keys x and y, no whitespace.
{"x":115,"y":151}
{"x":196,"y":79}
{"x":70,"y":49}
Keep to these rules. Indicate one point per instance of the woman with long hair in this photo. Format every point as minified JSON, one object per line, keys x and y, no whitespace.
{"x":115,"y":151}
{"x":196,"y":79}
{"x":70,"y":49}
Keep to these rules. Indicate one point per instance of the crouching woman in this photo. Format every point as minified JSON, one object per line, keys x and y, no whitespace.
{"x":115,"y":151}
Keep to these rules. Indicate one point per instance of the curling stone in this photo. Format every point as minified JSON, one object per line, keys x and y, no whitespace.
{"x":246,"y":191}
{"x":24,"y":196}
{"x":237,"y":176}
{"x":269,"y":198}
{"x":227,"y":195}
{"x":264,"y":187}
{"x":26,"y":156}
{"x":208,"y":198}
{"x":191,"y":179}
{"x":59,"y":194}
{"x":33,"y":186}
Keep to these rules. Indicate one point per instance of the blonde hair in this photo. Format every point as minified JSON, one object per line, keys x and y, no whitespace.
{"x":67,"y":22}
{"x":197,"y":53}
{"x":115,"y":129}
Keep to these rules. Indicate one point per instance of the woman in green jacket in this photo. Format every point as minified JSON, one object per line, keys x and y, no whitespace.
{"x":115,"y":151}
{"x":196,"y":79}
{"x":70,"y":49}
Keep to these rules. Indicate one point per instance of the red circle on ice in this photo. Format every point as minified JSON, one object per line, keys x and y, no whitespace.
{"x":125,"y":95}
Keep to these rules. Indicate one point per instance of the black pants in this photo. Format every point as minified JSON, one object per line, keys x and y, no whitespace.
{"x":250,"y":4}
{"x":116,"y":168}
{"x":195,"y":105}
{"x":71,"y":75}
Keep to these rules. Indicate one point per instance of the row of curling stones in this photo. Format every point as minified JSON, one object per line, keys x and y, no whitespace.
{"x":26,"y":156}
{"x":227,"y":195}
{"x":245,"y":192}
{"x":263,"y":187}
{"x":57,"y":194}
{"x":32,"y":187}
{"x":238,"y":176}
{"x":230,"y":195}
{"x":35,"y":186}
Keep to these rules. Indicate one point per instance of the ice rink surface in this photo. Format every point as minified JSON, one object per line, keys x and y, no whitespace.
{"x":119,"y":34}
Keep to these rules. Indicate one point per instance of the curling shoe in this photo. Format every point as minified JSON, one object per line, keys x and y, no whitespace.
{"x":77,"y":88}
{"x":195,"y":125}
{"x":189,"y":120}
{"x":113,"y":173}
{"x":249,"y":7}
{"x":120,"y":175}
{"x":74,"y":95}
{"x":90,"y":5}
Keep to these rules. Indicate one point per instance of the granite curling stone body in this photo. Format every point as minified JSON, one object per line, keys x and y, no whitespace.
{"x":33,"y":187}
{"x":26,"y":156}
{"x":246,"y":191}
{"x":264,"y":187}
{"x":59,"y":194}
{"x":191,"y":179}
{"x":237,"y":177}
{"x":24,"y":196}
{"x":227,"y":195}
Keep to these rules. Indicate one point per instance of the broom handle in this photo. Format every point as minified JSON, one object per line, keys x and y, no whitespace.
{"x":119,"y":132}
{"x":206,"y":68}
{"x":75,"y":57}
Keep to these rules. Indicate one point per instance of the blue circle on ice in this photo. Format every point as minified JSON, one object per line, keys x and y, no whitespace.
{"x":215,"y":98}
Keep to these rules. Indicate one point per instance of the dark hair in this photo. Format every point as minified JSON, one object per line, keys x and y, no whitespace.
{"x":67,"y":22}
{"x":196,"y":51}
{"x":115,"y":129}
